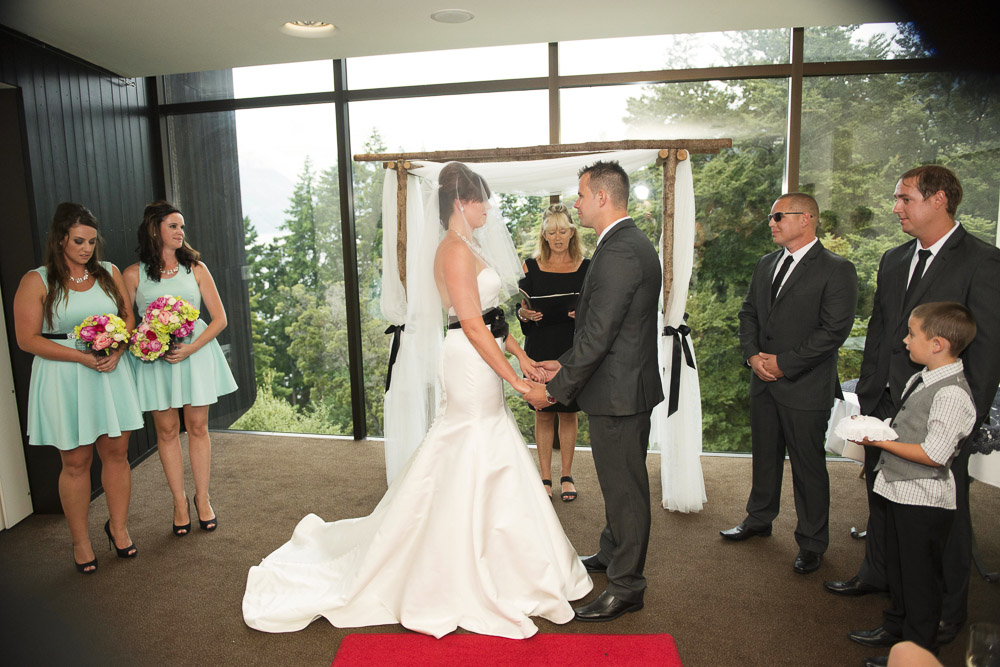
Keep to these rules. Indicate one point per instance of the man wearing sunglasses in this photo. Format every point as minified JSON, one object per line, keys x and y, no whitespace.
{"x":943,"y":262}
{"x":798,"y":312}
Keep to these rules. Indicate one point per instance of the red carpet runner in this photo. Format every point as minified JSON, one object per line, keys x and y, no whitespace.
{"x":362,"y":650}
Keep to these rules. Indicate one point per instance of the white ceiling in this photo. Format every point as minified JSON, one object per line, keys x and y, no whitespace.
{"x":151,"y":37}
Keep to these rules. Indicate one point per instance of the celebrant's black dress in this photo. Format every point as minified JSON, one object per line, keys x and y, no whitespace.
{"x":550,"y":337}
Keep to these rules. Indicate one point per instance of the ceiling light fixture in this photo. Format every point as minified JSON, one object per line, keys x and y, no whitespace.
{"x":452,"y":16}
{"x":308,"y":28}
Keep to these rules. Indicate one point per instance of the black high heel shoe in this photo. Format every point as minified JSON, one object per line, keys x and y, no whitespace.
{"x":181,"y":531}
{"x":212,"y":523}
{"x":82,"y":567}
{"x":131,"y":551}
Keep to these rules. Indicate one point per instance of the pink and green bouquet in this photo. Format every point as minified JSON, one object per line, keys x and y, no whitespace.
{"x":101,"y":334}
{"x":167,"y":319}
{"x":149,"y":344}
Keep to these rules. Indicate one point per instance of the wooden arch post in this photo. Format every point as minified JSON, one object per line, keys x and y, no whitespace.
{"x":669,"y":158}
{"x":402,"y":169}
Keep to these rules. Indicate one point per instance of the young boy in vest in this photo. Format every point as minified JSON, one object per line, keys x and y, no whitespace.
{"x":914,"y":476}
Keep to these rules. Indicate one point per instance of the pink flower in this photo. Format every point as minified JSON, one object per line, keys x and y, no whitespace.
{"x":154,"y":345}
{"x":102,"y":341}
{"x":164,"y":316}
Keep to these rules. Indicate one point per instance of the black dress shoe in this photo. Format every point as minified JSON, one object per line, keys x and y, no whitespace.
{"x":877,"y":661}
{"x":947,"y":632}
{"x":605,"y":608}
{"x":877,"y":637}
{"x":807,"y":561}
{"x":853,"y":587}
{"x":741,"y":532}
{"x":594,"y":564}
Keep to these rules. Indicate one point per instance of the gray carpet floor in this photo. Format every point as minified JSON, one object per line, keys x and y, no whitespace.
{"x":178,"y":602}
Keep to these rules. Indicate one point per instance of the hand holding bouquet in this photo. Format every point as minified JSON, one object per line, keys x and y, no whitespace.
{"x":166,"y":318}
{"x":102,"y":334}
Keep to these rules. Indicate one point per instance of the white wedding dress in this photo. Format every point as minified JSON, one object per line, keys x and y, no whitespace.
{"x":464,"y":537}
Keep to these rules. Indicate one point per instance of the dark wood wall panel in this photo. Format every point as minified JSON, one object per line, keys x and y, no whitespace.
{"x":87,"y":137}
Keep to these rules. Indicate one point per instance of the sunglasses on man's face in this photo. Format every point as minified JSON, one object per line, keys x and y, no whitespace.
{"x":779,"y":215}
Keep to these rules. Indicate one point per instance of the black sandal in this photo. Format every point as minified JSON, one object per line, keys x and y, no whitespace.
{"x":567,"y":496}
{"x":548,"y":483}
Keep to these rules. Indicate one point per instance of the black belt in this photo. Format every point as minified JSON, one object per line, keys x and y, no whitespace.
{"x":494,"y":319}
{"x":64,"y":336}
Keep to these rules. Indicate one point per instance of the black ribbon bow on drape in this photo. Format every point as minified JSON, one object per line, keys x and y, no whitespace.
{"x":680,"y":335}
{"x":395,"y":330}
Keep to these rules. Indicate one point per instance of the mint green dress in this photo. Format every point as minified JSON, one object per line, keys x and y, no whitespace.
{"x":198,"y":380}
{"x":70,"y":405}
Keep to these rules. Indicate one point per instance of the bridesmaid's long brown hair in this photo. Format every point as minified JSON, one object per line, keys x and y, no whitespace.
{"x":67,"y":215}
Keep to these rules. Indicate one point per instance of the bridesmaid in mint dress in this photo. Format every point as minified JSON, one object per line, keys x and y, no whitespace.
{"x":77,"y":400}
{"x":194,"y":373}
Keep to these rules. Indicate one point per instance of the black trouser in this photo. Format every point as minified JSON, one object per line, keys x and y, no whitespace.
{"x":872,"y":570}
{"x":619,"y":446}
{"x":774,"y":429}
{"x":914,"y":540}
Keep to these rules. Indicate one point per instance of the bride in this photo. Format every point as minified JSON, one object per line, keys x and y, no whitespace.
{"x":464,"y":537}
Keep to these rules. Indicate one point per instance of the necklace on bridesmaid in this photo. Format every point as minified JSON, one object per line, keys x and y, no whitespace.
{"x":86,"y":276}
{"x":170,"y":272}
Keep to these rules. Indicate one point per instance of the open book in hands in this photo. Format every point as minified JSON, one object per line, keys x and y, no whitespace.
{"x":552,"y":306}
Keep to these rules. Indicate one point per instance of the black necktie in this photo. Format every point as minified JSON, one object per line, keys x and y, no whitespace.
{"x":776,"y":285}
{"x":922,"y":257}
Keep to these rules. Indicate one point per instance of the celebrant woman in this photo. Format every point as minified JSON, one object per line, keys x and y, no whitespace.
{"x":558,"y":267}
{"x":193,"y":373}
{"x":464,"y":537}
{"x":80,"y":399}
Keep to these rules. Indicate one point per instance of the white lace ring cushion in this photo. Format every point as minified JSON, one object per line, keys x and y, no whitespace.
{"x":859,"y":427}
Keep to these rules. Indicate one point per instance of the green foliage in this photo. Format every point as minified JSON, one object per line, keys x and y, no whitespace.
{"x":859,"y":133}
{"x":271,"y":413}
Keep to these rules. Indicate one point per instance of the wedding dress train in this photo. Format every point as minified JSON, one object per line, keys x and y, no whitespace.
{"x":464,"y":537}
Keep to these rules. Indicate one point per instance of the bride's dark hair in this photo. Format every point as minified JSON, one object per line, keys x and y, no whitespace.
{"x":457,"y":181}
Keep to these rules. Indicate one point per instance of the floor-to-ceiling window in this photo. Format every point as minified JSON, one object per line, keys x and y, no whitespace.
{"x":872,"y":106}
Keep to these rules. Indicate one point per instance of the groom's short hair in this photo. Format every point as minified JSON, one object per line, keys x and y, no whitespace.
{"x":610,"y":177}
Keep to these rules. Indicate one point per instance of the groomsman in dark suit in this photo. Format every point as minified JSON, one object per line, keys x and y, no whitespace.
{"x":798,"y":312}
{"x":943,"y":262}
{"x":613,"y":373}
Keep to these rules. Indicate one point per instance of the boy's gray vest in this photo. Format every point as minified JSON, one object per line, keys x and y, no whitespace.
{"x":910,"y":424}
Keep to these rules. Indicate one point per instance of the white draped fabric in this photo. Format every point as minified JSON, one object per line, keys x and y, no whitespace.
{"x":678,"y":435}
{"x":412,"y":397}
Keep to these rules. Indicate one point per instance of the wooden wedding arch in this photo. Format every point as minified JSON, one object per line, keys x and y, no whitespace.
{"x":671,"y":151}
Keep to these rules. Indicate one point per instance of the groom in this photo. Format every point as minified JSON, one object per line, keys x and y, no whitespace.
{"x":613,"y":374}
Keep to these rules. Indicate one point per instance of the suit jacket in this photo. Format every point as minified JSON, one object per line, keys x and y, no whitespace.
{"x":612,"y":368}
{"x":810,"y":319}
{"x":966,"y":270}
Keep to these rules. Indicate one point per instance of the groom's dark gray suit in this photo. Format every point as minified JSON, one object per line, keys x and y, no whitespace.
{"x":613,"y":373}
